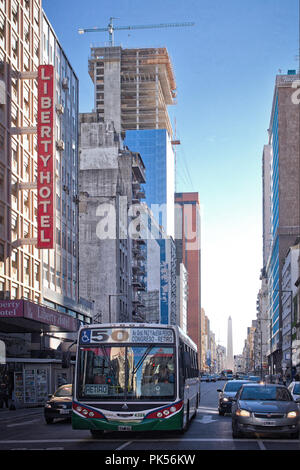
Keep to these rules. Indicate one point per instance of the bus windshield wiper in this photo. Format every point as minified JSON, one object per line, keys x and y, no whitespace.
{"x":135,"y":369}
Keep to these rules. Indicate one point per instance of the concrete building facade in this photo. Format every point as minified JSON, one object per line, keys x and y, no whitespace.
{"x":40,"y":308}
{"x":112,"y":267}
{"x":188,"y":252}
{"x":284,"y":202}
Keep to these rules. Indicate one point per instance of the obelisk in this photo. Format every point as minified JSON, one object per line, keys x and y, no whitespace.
{"x":229,"y":357}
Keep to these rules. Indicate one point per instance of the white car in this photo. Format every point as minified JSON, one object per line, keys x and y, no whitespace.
{"x":294,"y":388}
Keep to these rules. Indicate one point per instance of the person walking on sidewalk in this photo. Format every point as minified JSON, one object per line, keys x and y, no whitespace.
{"x":4,"y":394}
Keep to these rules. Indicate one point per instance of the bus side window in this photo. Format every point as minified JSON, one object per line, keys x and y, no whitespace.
{"x":181,"y":368}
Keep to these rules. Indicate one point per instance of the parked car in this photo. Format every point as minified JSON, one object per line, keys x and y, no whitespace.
{"x":226,"y":394}
{"x":204,"y":378}
{"x":212,"y":378}
{"x":254,"y":378}
{"x":294,"y":388}
{"x":265,"y":409}
{"x":59,"y":404}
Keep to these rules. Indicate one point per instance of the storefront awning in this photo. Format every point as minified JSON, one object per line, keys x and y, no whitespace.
{"x":24,"y":316}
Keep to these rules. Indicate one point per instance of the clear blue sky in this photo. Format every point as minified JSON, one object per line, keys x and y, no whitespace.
{"x":225,"y":69}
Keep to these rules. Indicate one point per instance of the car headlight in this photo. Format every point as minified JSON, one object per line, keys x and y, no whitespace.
{"x":225,"y":399}
{"x":244,"y":413}
{"x":293,"y":414}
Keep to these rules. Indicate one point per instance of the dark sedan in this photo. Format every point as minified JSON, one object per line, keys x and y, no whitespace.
{"x":227,"y":393}
{"x":265,"y":409}
{"x":59,"y":404}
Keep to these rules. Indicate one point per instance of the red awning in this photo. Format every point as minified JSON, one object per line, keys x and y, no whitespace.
{"x":24,"y":316}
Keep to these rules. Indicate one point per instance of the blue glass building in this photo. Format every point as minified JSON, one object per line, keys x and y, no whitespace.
{"x":155,"y":148}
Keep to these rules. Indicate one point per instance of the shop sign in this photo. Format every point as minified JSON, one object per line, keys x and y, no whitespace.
{"x":36,"y":312}
{"x":50,"y":317}
{"x":11,"y":308}
{"x":46,"y":158}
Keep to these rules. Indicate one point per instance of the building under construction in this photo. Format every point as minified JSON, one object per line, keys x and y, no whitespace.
{"x":133,"y":87}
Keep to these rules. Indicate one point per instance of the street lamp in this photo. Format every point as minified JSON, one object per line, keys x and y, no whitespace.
{"x":109,"y":305}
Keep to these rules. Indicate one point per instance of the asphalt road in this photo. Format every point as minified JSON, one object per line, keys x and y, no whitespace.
{"x":208,"y":431}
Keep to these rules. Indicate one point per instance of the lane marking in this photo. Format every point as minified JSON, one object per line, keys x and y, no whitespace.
{"x":124,"y":445}
{"x":261,"y":445}
{"x":205,"y":420}
{"x":191,"y":439}
{"x":22,"y":424}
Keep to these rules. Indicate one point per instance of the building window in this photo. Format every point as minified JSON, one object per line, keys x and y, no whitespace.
{"x":1,"y":258}
{"x":14,"y":292}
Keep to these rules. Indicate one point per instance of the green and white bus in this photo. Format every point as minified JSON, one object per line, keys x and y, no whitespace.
{"x":134,"y":377}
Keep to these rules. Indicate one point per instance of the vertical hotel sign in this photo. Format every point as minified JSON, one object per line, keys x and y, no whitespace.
{"x":46,"y":157}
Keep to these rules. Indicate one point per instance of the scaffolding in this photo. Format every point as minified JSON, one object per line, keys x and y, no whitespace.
{"x":147,"y":85}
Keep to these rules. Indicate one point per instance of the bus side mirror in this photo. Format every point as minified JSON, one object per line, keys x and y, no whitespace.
{"x":66,"y":359}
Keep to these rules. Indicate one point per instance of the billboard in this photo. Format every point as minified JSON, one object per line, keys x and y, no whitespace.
{"x":46,"y":158}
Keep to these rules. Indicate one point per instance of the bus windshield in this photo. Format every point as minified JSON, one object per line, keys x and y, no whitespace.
{"x":109,"y":371}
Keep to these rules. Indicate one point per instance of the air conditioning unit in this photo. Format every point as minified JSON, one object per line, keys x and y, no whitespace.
{"x":65,"y":83}
{"x":60,"y":145}
{"x":60,"y":109}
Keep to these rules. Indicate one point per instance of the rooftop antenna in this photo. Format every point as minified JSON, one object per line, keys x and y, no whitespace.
{"x":111,"y":28}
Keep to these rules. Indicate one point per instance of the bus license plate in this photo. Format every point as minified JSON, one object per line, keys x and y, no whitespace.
{"x":269,"y":423}
{"x":124,"y":428}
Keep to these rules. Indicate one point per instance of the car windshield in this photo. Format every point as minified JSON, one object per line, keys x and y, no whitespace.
{"x":232,"y":386}
{"x":265,"y":393}
{"x":296,"y":390}
{"x":64,"y":391}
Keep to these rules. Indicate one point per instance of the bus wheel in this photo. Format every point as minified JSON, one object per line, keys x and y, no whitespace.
{"x":96,"y":433}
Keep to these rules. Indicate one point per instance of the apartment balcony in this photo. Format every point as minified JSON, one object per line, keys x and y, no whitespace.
{"x":138,"y":253}
{"x":137,"y":300}
{"x":138,"y":268}
{"x":138,"y":284}
{"x":138,"y":168}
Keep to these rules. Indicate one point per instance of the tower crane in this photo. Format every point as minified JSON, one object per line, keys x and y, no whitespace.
{"x":111,"y":28}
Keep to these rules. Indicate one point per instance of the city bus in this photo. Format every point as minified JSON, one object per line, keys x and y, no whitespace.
{"x":134,"y":377}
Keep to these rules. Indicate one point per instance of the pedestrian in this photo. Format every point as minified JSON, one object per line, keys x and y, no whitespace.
{"x":4,"y":394}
